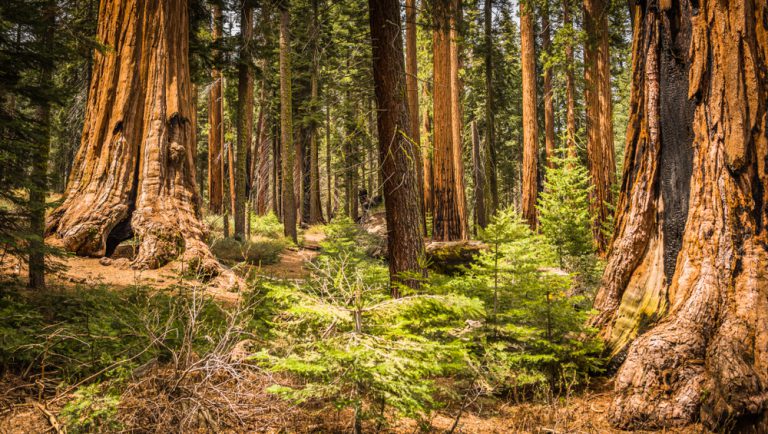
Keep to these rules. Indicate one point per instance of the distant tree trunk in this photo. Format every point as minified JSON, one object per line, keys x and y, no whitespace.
{"x":597,"y":93}
{"x":328,"y":170}
{"x":397,"y":154}
{"x":244,"y":115}
{"x":135,"y":170}
{"x":478,"y":170}
{"x":263,"y":148}
{"x":456,"y":117}
{"x":277,"y":180}
{"x":412,"y":85}
{"x":216,"y":122}
{"x":686,"y":270}
{"x":530,"y":132}
{"x":427,"y":154}
{"x":549,"y":106}
{"x":490,"y":127}
{"x":39,"y":174}
{"x":570,"y":83}
{"x":315,"y":207}
{"x":447,"y":224}
{"x":288,"y":151}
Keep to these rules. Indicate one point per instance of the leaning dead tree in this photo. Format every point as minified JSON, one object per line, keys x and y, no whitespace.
{"x":684,"y":300}
{"x":134,"y":174}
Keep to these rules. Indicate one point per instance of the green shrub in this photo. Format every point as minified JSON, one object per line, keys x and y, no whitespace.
{"x":261,"y":251}
{"x":267,"y":226}
{"x":350,"y":344}
{"x":91,"y":411}
{"x":534,"y":332}
{"x":566,"y":223}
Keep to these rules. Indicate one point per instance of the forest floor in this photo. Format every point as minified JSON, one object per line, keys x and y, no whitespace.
{"x":24,"y":409}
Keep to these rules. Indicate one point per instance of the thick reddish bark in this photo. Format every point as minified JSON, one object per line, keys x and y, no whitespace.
{"x":686,"y":271}
{"x":549,"y":105}
{"x":530,"y":128}
{"x":135,"y":171}
{"x":412,"y":90}
{"x":597,"y":94}
{"x":570,"y":84}
{"x":456,"y":117}
{"x":447,"y":224}
{"x":216,"y":125}
{"x":287,"y":149}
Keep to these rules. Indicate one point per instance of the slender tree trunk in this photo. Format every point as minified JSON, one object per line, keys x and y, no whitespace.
{"x":216,"y":122}
{"x":456,"y":116}
{"x":244,"y":115}
{"x":447,"y":224}
{"x":412,"y":89}
{"x":490,"y":127}
{"x":39,"y":175}
{"x":599,"y":124}
{"x":549,"y":106}
{"x":315,"y":207}
{"x":427,"y":141}
{"x":686,"y":269}
{"x":478,"y":170}
{"x":397,"y":154}
{"x":530,"y":131}
{"x":287,"y":149}
{"x":328,"y":170}
{"x":570,"y":83}
{"x":263,"y":150}
{"x":135,"y":171}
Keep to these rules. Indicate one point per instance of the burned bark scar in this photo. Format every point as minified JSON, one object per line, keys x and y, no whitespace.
{"x":118,"y":127}
{"x":676,"y":110}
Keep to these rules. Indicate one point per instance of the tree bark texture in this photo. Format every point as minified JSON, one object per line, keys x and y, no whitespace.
{"x":287,"y":149}
{"x":490,"y":121}
{"x":478,"y":171}
{"x":244,"y":115}
{"x":427,"y":146}
{"x":456,"y":117}
{"x":530,"y":128}
{"x":600,"y":154}
{"x":398,"y":155}
{"x":216,"y":123}
{"x":39,"y":173}
{"x":447,"y":224}
{"x":315,"y":205}
{"x":549,"y":105}
{"x":685,"y":291}
{"x":570,"y":84}
{"x":412,"y":90}
{"x":135,"y":170}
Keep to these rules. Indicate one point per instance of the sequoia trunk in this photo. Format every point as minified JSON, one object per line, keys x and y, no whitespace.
{"x":686,"y":271}
{"x":288,"y":151}
{"x":412,"y":89}
{"x":216,"y":124}
{"x":549,"y":106}
{"x":447,"y":224}
{"x":135,"y":173}
{"x":600,"y":154}
{"x":530,"y":129}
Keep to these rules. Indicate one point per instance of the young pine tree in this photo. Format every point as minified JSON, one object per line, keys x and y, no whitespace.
{"x":566,"y":220}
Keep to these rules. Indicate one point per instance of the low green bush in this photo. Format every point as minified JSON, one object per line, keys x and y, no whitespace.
{"x":343,"y":340}
{"x":261,"y":251}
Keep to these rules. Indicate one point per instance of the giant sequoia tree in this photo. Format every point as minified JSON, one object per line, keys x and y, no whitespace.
{"x":689,"y":254}
{"x":134,"y":174}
